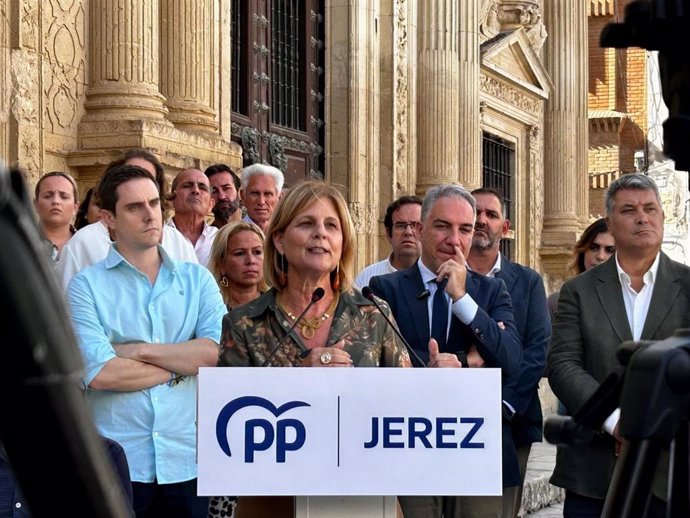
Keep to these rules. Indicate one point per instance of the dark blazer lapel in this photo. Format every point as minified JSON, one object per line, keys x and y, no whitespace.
{"x":608,"y":289}
{"x":411,"y":286}
{"x":508,"y":273}
{"x":666,"y":289}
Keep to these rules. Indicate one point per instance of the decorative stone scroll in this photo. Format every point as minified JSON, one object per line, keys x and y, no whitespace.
{"x":510,"y":95}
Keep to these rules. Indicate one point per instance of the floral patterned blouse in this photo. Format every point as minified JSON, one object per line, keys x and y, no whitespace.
{"x":251,"y":331}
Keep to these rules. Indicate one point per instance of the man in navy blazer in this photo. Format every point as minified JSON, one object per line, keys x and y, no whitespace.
{"x":481,"y":328}
{"x":520,"y":397}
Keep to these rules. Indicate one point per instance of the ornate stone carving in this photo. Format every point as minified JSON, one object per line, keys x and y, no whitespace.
{"x":518,"y":13}
{"x":363,"y":217}
{"x":250,"y":145}
{"x":489,"y":24}
{"x":401,"y":86}
{"x":510,"y":95}
{"x":24,"y":74}
{"x":29,"y":26}
{"x":536,"y":192}
{"x":276,"y":149}
{"x":537,"y":34}
{"x":64,"y":49}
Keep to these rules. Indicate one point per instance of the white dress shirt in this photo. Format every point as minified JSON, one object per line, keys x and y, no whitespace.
{"x":203,"y":245}
{"x":636,"y":308}
{"x":91,"y":244}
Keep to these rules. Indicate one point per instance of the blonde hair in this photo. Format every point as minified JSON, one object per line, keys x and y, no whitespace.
{"x":290,"y":205}
{"x":219,"y":252}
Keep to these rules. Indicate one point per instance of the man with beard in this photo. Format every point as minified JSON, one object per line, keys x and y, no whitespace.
{"x":521,"y":407}
{"x":191,"y":199}
{"x":225,"y":186}
{"x":441,"y":306}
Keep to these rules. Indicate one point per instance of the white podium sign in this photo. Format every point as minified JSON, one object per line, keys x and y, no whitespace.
{"x":367,"y":431}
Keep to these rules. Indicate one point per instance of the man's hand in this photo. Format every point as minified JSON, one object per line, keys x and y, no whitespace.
{"x":437,"y":359}
{"x":474,"y":359}
{"x":619,"y":439}
{"x":129,"y":350}
{"x":455,"y":270}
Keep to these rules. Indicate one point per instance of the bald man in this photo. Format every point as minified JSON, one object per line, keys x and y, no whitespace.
{"x":191,"y":199}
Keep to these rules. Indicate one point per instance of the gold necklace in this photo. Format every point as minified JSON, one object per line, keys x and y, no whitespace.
{"x":308,"y":326}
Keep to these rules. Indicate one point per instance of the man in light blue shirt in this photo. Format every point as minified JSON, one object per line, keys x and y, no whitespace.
{"x":145,"y":324}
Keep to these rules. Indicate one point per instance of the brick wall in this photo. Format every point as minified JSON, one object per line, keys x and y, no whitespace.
{"x":617,"y":83}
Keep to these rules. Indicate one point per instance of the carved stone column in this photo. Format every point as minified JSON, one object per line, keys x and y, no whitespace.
{"x":398,"y":122}
{"x":353,"y":113}
{"x":469,"y":142}
{"x":187,"y":63}
{"x":561,"y":119}
{"x":581,"y":50}
{"x":124,"y":72}
{"x":562,"y":166}
{"x":438,"y":92}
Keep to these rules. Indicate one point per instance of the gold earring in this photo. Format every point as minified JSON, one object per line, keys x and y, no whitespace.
{"x":224,"y":281}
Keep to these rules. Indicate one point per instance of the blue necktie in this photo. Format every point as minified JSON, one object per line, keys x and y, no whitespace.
{"x":439,"y":314}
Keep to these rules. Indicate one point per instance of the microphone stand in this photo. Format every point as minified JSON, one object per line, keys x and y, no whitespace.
{"x":315,"y":297}
{"x":369,"y":294}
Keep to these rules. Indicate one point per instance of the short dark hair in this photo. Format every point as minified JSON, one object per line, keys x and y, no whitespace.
{"x":144,"y":154}
{"x":630,"y":181}
{"x":494,"y":192}
{"x":82,"y":212}
{"x":403,"y":200}
{"x":116,"y":176}
{"x":68,"y":177}
{"x":222,"y":168}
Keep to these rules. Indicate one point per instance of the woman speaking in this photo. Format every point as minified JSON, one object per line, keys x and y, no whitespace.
{"x":309,"y":257}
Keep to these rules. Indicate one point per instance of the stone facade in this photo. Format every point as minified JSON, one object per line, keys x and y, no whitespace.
{"x":85,"y":82}
{"x":410,"y":87}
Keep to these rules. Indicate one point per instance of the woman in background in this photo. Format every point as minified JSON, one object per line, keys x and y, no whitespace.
{"x":56,"y":199}
{"x":594,"y":247}
{"x":237,"y":262}
{"x":89,"y":211}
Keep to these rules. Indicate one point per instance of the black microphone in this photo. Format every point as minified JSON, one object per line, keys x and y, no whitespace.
{"x":369,"y":294}
{"x":423,"y":295}
{"x":315,"y":297}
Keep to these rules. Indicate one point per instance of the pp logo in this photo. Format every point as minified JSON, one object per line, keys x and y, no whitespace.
{"x":259,"y":434}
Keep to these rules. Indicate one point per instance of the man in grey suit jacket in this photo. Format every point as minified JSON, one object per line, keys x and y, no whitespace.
{"x":639,"y":294}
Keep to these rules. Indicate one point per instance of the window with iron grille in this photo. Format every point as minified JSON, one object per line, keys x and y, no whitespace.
{"x":278,"y":83}
{"x":287,"y":44}
{"x":498,"y":172}
{"x":239,"y":60}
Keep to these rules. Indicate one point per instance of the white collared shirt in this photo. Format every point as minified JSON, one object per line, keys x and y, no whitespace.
{"x":381,"y":268}
{"x":636,"y":308}
{"x":465,"y":308}
{"x":494,"y":269}
{"x":637,"y":303}
{"x":203,"y":245}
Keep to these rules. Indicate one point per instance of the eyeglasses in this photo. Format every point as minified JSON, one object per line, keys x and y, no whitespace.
{"x":401,"y":226}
